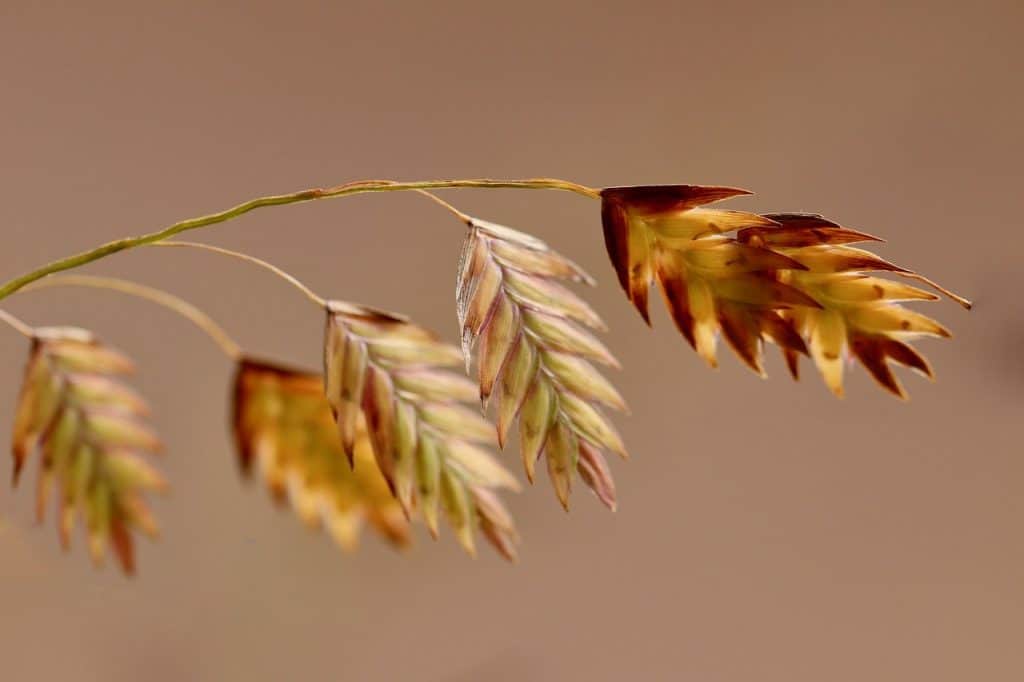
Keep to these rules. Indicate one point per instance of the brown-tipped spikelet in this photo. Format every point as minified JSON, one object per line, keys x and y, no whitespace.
{"x":530,"y":349}
{"x":857,"y":313}
{"x":283,"y":426}
{"x":427,"y":442}
{"x":787,"y":278}
{"x":89,"y":431}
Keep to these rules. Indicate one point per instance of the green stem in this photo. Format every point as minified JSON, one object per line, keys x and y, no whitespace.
{"x":359,"y":187}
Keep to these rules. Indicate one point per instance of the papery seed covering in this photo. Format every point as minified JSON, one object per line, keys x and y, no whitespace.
{"x":431,"y":447}
{"x":89,"y":431}
{"x":534,"y":348}
{"x":789,"y":278}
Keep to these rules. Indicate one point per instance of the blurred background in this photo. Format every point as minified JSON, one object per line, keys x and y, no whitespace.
{"x":766,"y":531}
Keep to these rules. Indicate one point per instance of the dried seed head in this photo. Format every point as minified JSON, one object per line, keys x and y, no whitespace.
{"x":858,"y":313}
{"x":382,"y":368}
{"x":528,"y":331}
{"x":88,"y":428}
{"x":788,"y":278}
{"x":283,"y":428}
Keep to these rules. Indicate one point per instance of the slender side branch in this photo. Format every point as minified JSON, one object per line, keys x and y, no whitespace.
{"x":447,"y":206}
{"x":19,"y":326}
{"x":309,"y":293}
{"x":359,"y":187}
{"x":193,"y":314}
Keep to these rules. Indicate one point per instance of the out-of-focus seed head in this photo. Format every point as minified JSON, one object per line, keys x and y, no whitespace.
{"x":284,"y":430}
{"x":89,"y":432}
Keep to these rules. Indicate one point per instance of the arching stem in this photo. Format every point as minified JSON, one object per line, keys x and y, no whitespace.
{"x":193,"y":314}
{"x":318,"y":300}
{"x":360,"y":187}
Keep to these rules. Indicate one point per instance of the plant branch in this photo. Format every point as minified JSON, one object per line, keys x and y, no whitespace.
{"x":447,"y":206}
{"x":359,"y":187}
{"x":309,"y":293}
{"x":193,"y":314}
{"x":22,"y":328}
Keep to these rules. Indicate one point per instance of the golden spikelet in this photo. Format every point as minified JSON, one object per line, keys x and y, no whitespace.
{"x":283,"y":425}
{"x":530,"y":348}
{"x":426,"y":441}
{"x":87,"y":427}
{"x":787,"y":278}
{"x":857,"y":313}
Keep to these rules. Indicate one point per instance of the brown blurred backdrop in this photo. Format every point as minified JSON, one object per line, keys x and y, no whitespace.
{"x":766,"y":531}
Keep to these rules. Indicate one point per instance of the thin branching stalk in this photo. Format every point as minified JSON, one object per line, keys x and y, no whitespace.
{"x":19,"y":326}
{"x":360,"y":187}
{"x":193,"y":314}
{"x":294,"y":281}
{"x":447,"y":206}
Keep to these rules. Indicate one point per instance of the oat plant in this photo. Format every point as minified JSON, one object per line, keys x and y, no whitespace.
{"x":390,"y":433}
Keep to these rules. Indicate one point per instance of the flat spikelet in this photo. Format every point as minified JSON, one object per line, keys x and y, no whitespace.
{"x":787,"y":278}
{"x":858,"y":314}
{"x":88,"y":428}
{"x":531,"y":349}
{"x":427,"y":443}
{"x":283,"y":425}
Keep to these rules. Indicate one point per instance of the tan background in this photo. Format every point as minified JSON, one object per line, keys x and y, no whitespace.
{"x":766,"y":532}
